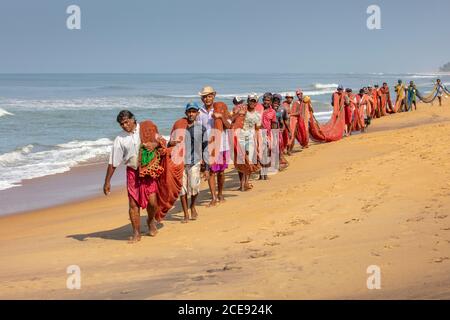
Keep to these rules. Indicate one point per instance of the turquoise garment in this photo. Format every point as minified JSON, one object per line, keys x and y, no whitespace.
{"x":412,"y":94}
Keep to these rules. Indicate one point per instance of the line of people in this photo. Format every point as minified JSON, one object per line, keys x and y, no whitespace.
{"x":256,"y":137}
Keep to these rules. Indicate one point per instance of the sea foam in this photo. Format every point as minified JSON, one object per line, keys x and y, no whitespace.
{"x":23,"y":163}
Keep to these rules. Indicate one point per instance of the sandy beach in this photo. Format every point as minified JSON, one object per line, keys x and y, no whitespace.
{"x":380,"y":198}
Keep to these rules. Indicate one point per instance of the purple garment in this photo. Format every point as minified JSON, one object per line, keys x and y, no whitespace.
{"x":222,"y":165}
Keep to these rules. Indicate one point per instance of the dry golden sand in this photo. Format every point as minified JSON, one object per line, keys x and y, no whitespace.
{"x":382,"y":198}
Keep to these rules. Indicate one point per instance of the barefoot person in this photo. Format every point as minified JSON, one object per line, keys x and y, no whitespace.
{"x":349,"y":106}
{"x":298,"y":123}
{"x":191,"y":136}
{"x":215,"y":118}
{"x":246,"y":123}
{"x":268,"y":122}
{"x":141,"y":191}
{"x":400,"y":103}
{"x":287,"y":105}
{"x":411,"y":96}
{"x":288,"y":102}
{"x":377,"y":101}
{"x":386,"y":102}
{"x":440,"y":91}
{"x":282,"y":124}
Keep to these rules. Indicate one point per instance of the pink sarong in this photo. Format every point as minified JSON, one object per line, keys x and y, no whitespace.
{"x":139,"y":189}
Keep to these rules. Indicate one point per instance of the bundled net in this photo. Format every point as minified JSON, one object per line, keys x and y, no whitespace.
{"x":333,"y":130}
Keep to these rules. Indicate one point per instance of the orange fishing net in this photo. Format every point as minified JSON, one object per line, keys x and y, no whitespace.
{"x":168,"y":175}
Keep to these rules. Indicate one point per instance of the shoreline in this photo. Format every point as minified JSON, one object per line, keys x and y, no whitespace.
{"x":379,"y":198}
{"x":84,"y":182}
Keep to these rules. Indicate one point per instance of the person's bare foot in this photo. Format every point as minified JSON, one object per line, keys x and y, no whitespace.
{"x":152,"y":228}
{"x":194,"y":213}
{"x":222,"y":199}
{"x":135,"y":238}
{"x":212,"y":203}
{"x":185,"y":220}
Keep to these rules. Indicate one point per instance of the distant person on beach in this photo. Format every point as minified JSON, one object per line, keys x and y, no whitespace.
{"x":348,"y":110}
{"x":287,"y":106}
{"x":372,"y":100}
{"x":214,"y":116}
{"x":268,"y":122}
{"x":237,"y":102}
{"x":298,"y":123}
{"x":376,"y":101}
{"x":126,"y":150}
{"x":339,"y":91}
{"x":440,"y":91}
{"x":246,"y":123}
{"x":288,"y":102}
{"x":411,"y":96}
{"x":386,"y":96}
{"x":192,"y":135}
{"x":400,"y":91}
{"x":282,"y":125}
{"x":358,"y":112}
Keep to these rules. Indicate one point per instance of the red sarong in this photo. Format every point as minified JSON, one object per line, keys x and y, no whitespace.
{"x":139,"y":189}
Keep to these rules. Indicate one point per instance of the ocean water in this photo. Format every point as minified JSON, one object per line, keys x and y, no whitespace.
{"x":50,"y":123}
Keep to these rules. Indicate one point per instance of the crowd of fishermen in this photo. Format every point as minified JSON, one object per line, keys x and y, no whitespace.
{"x":256,"y":135}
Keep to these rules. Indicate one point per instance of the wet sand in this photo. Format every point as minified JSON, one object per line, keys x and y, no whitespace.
{"x":380,"y":198}
{"x":80,"y":183}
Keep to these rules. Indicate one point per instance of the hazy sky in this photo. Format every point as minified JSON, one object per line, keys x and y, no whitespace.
{"x":158,"y":36}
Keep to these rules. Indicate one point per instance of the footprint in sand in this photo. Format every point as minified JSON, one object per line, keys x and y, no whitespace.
{"x":245,"y":241}
{"x":331,"y":237}
{"x":259,"y":254}
{"x":283,"y":234}
{"x":225,"y":268}
{"x":299,"y":221}
{"x":415,"y":219}
{"x":442,"y":216}
{"x":201,"y":278}
{"x":272,"y":244}
{"x":368,"y":207}
{"x":354,"y":220}
{"x":441,"y":259}
{"x":376,"y":254}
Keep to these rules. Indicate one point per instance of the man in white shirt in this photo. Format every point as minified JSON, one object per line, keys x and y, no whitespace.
{"x":126,"y":150}
{"x":215,"y":118}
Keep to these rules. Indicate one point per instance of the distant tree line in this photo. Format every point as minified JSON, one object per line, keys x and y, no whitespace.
{"x":445,"y":67}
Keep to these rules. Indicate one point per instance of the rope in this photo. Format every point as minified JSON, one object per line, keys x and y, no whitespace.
{"x":430,"y":97}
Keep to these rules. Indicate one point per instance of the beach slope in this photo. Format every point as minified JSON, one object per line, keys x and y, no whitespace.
{"x":311,"y":232}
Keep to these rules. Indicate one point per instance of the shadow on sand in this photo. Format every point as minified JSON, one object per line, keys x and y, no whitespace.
{"x":124,"y":232}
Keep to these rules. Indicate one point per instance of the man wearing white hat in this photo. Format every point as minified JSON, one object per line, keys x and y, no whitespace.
{"x":215,"y":118}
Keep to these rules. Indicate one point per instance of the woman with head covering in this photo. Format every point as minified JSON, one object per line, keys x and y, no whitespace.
{"x":246,"y":123}
{"x":268,"y":122}
{"x":349,"y":106}
{"x":282,"y":124}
